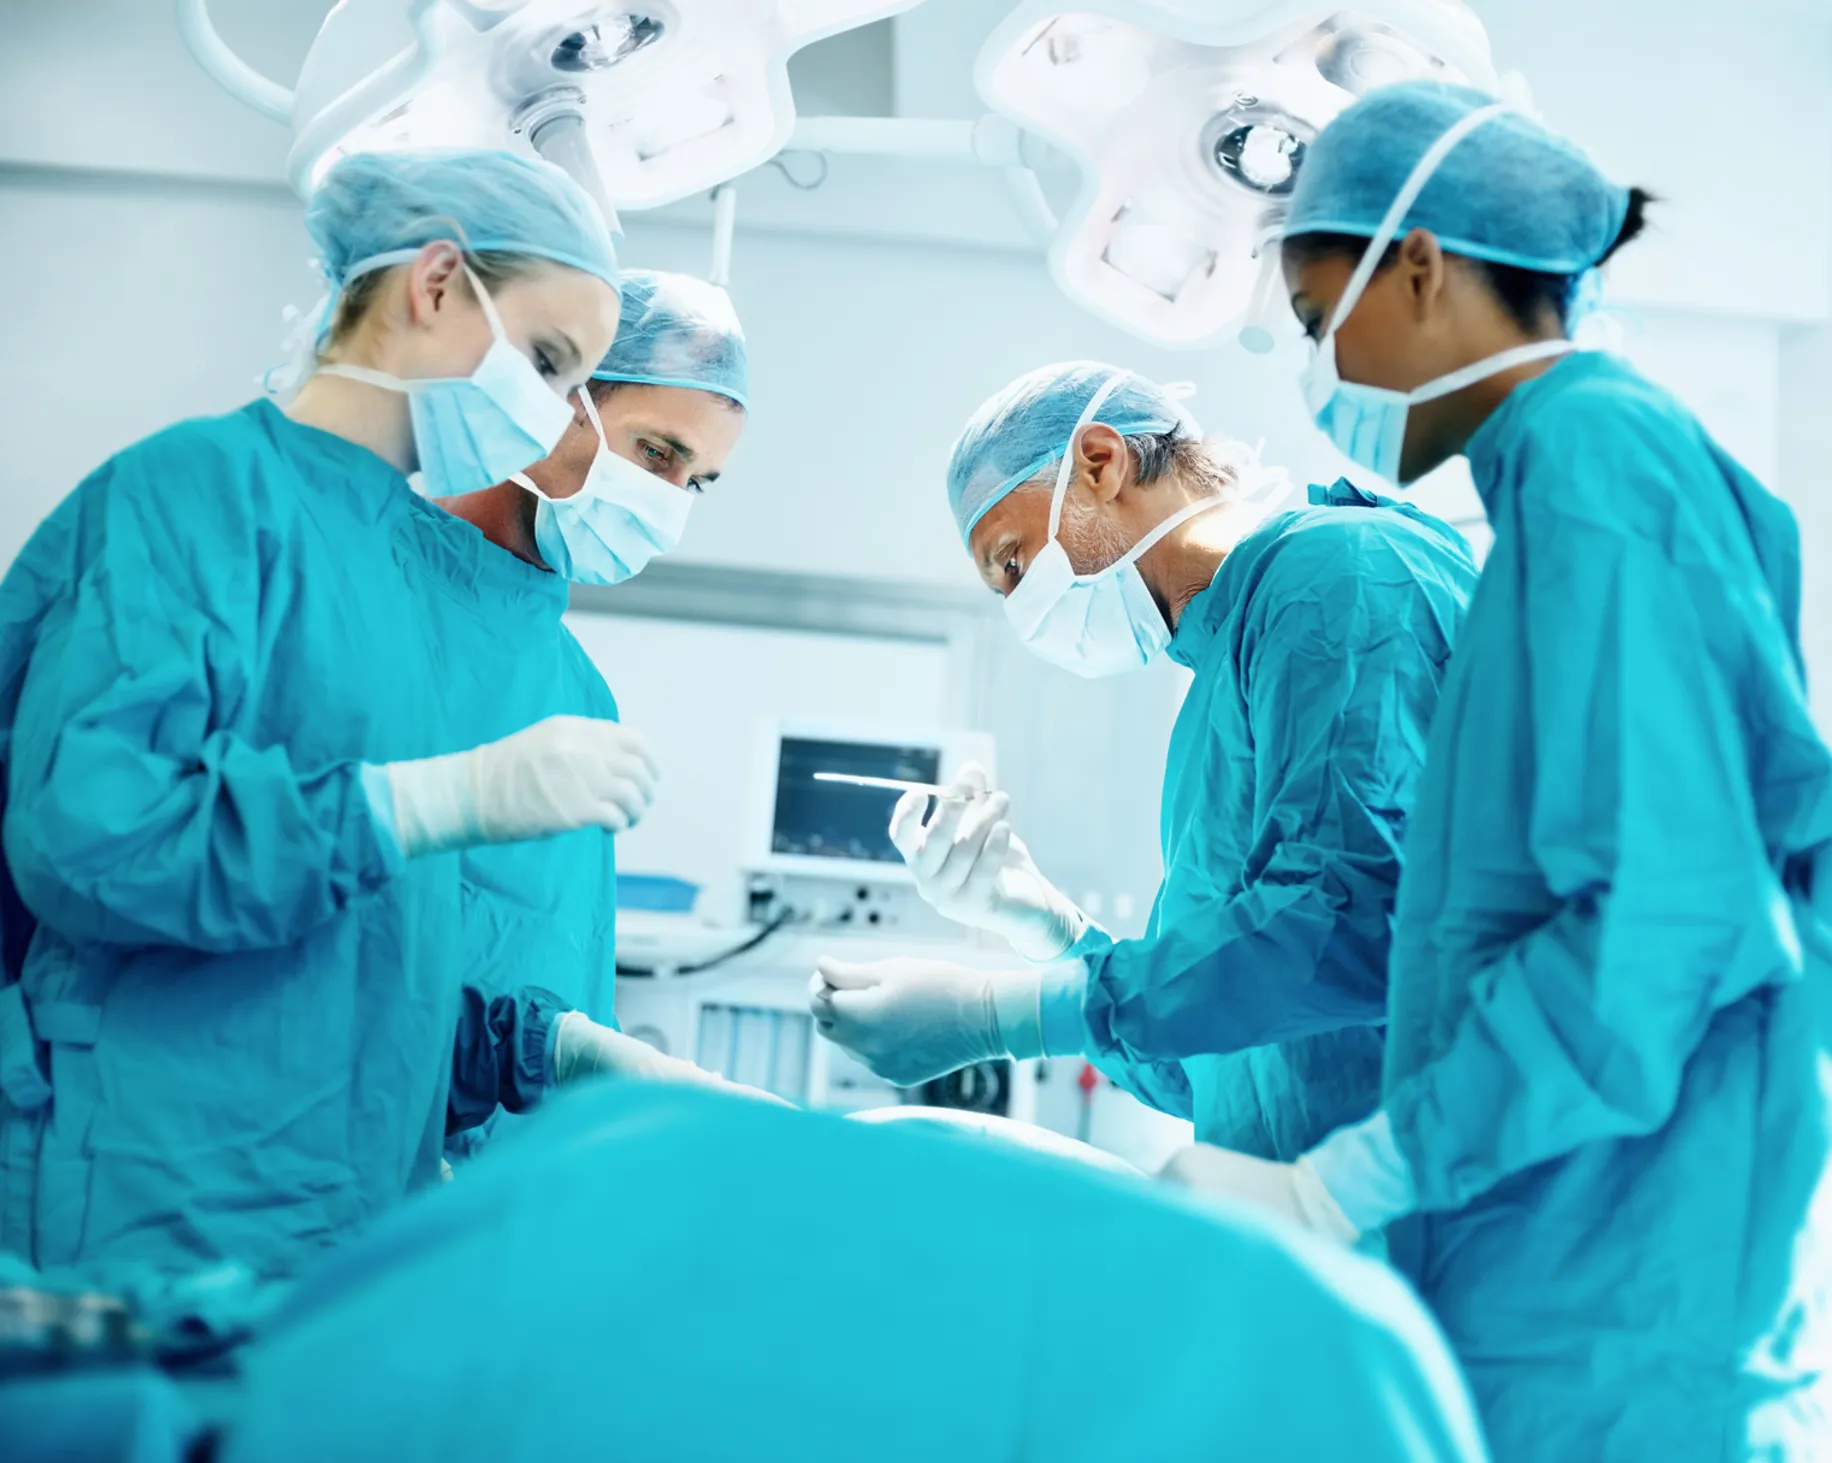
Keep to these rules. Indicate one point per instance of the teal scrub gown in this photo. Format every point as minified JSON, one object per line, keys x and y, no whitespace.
{"x":1608,"y":1059}
{"x":227,"y":1020}
{"x":1255,"y":1001}
{"x":543,"y":911}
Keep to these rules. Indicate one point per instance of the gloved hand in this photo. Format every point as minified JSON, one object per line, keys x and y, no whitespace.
{"x":911,"y":1021}
{"x":1293,"y":1191}
{"x":563,"y":773}
{"x":583,"y":1050}
{"x":973,"y":868}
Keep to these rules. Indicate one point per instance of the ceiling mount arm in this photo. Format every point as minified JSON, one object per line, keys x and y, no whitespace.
{"x":229,"y":70}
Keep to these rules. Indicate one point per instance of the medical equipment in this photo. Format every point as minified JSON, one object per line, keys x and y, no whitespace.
{"x":656,"y":893}
{"x":1189,"y":122}
{"x":757,"y":1045}
{"x":826,"y":794}
{"x":644,"y":101}
{"x":933,"y":789}
{"x":821,"y":846}
{"x":1187,"y":119}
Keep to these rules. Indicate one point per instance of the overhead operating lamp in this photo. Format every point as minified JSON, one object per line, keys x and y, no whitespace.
{"x":1188,"y":121}
{"x":643,"y":101}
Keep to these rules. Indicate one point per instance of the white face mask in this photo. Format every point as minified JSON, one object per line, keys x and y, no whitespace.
{"x":472,"y":432}
{"x":1094,"y":624}
{"x":1368,"y":423}
{"x":621,"y":517}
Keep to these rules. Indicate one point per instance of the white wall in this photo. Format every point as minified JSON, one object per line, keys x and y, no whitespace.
{"x":1806,"y":464}
{"x":1721,"y":109}
{"x":129,"y":306}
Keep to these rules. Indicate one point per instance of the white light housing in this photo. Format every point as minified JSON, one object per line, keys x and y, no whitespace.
{"x":1188,"y":120}
{"x":658,"y":98}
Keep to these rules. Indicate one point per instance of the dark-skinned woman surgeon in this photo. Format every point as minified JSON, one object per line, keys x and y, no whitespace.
{"x":1602,"y":1149}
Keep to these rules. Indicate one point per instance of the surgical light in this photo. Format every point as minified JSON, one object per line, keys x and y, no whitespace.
{"x":1188,"y":121}
{"x":643,"y":101}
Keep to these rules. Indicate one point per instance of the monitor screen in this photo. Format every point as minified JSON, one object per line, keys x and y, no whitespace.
{"x":841,"y":820}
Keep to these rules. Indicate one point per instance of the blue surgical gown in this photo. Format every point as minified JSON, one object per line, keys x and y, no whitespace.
{"x":1254,"y":1003}
{"x":657,"y":1272}
{"x":230,"y":1029}
{"x":544,"y":910}
{"x":1608,"y":1064}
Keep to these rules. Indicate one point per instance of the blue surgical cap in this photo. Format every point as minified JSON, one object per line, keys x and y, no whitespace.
{"x":379,"y":208}
{"x":675,"y":330}
{"x":1024,"y":428}
{"x":1510,"y":192}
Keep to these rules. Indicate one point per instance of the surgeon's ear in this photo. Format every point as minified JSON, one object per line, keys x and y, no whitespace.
{"x":1422,"y":270}
{"x":431,"y":279}
{"x":1102,"y":463}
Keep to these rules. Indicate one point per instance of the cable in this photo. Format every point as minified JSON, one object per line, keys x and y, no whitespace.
{"x":701,"y":966}
{"x":795,"y":182}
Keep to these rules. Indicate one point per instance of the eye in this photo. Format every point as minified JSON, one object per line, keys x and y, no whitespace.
{"x":1012,"y":569}
{"x":694,"y":485}
{"x":544,"y":364}
{"x":652,"y":455}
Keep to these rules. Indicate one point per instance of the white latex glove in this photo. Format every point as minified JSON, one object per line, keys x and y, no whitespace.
{"x":563,"y":773}
{"x":973,"y":868}
{"x":584,"y":1050}
{"x":1293,"y":1191}
{"x":912,"y":1021}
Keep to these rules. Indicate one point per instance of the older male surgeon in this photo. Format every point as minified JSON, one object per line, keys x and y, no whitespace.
{"x":1116,"y":530}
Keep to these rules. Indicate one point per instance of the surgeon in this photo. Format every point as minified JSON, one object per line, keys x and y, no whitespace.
{"x":651,"y":431}
{"x":1116,"y":531}
{"x":1603,"y":1143}
{"x":234,"y":1019}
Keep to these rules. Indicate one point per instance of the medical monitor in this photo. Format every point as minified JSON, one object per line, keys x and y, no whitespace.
{"x":812,"y":826}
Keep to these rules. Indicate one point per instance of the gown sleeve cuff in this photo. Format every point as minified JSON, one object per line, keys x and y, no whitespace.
{"x":380,"y":793}
{"x":1039,"y":1011}
{"x":1093,"y":940}
{"x":1365,"y":1173}
{"x":1063,"y":993}
{"x":550,"y":1072}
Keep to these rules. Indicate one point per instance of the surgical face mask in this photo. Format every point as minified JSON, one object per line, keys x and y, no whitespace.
{"x":1368,"y":423}
{"x":620,"y":519}
{"x":1093,"y":624}
{"x":471,"y":432}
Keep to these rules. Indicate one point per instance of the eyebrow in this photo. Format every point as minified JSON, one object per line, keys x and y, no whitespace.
{"x":680,"y":448}
{"x":686,"y":454}
{"x":998,"y":549}
{"x":562,"y":347}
